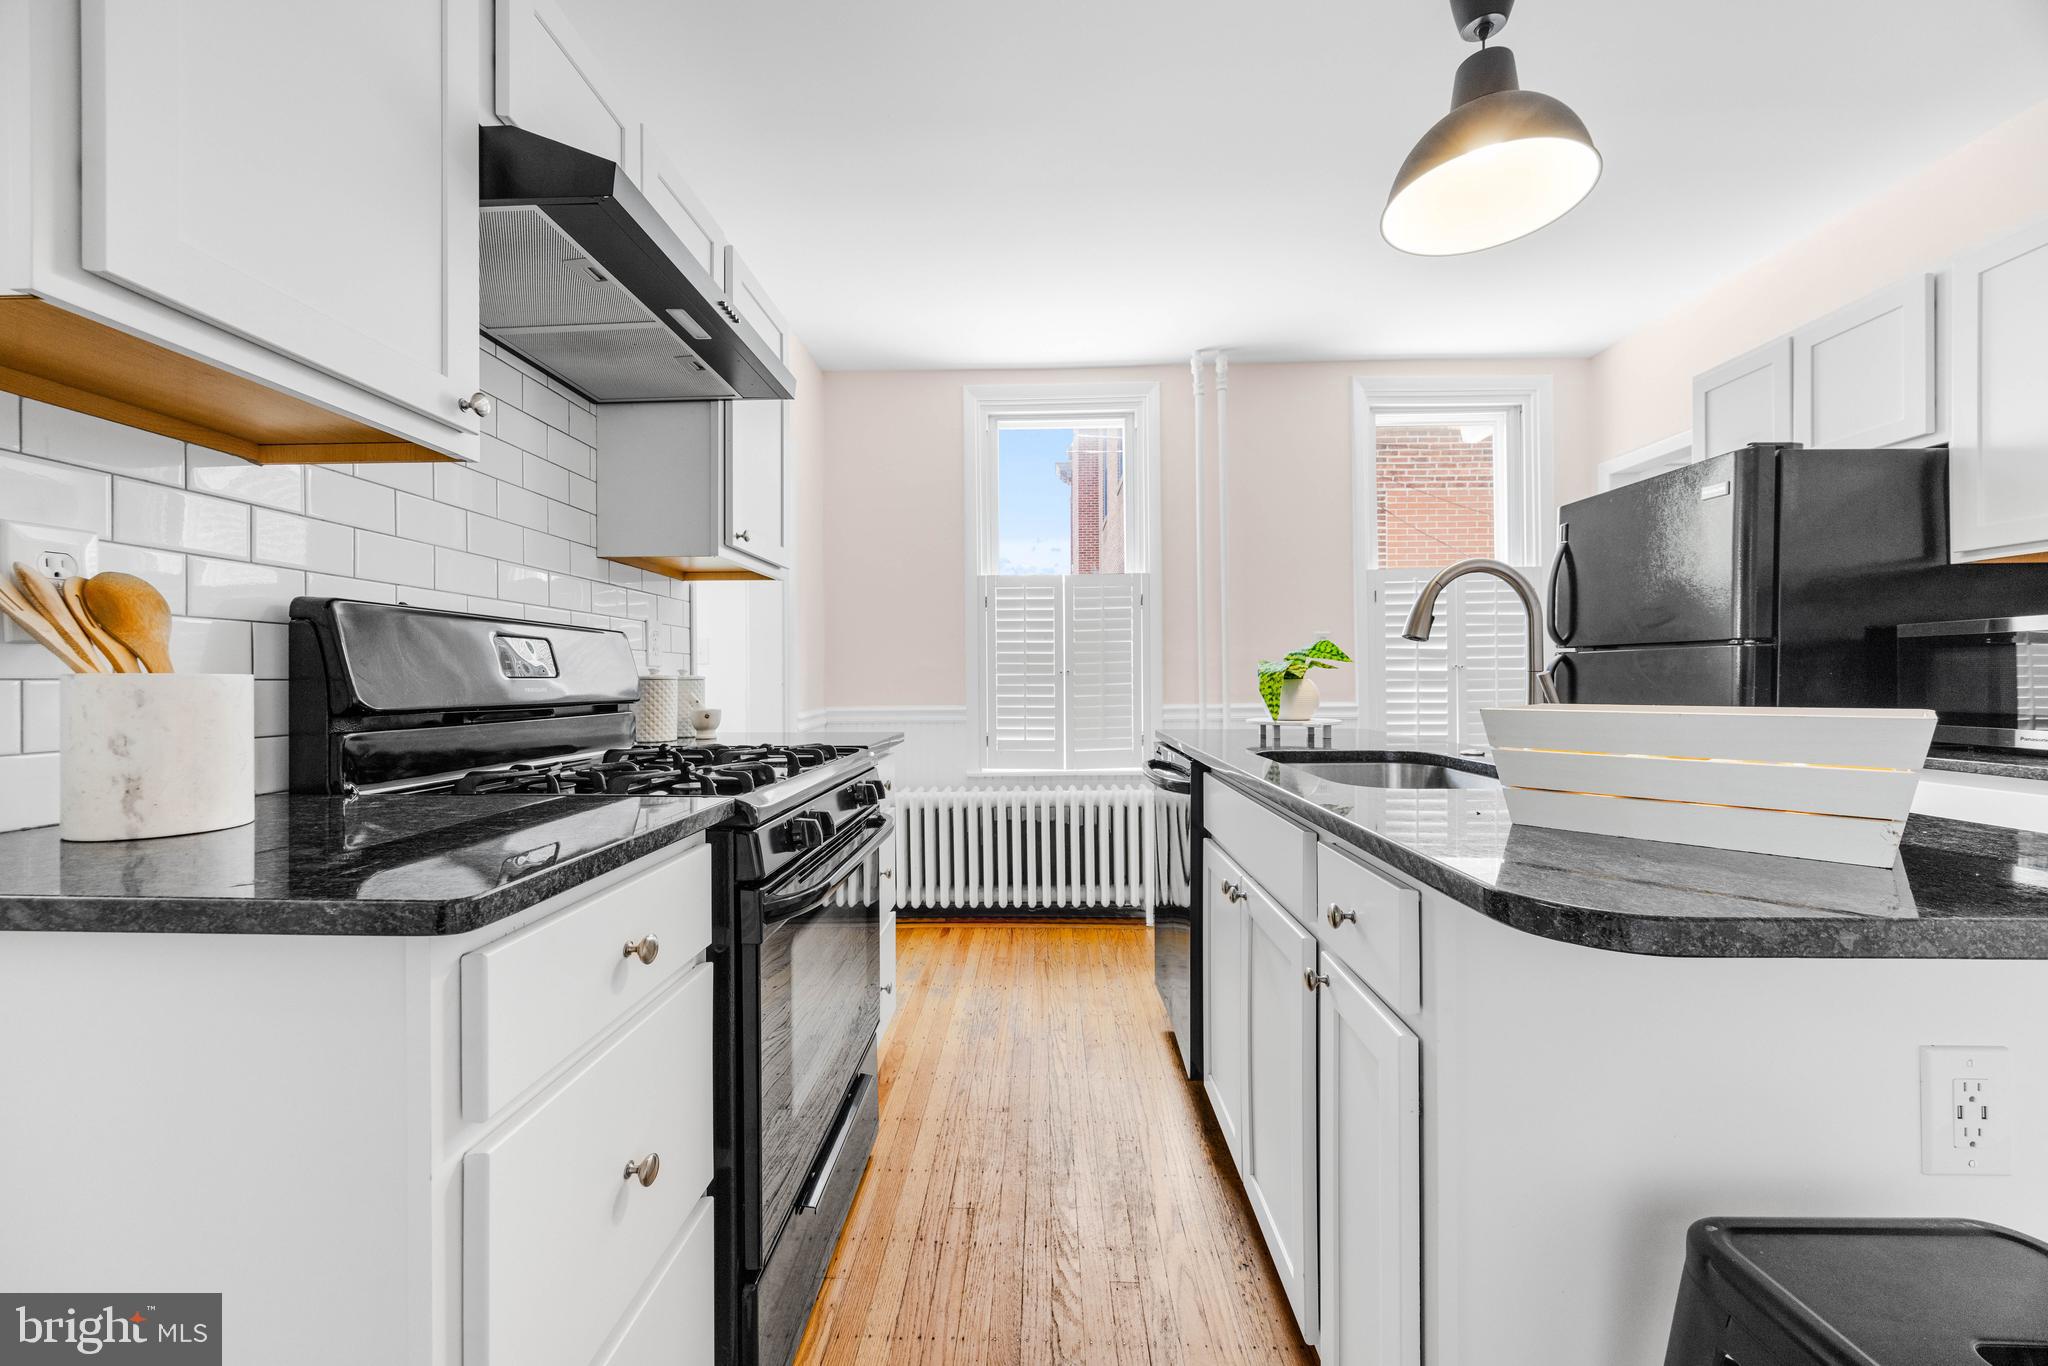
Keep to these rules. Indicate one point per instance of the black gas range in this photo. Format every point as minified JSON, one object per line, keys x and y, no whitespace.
{"x":394,"y":699}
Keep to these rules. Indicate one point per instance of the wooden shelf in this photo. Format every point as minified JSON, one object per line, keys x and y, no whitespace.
{"x":58,"y":357}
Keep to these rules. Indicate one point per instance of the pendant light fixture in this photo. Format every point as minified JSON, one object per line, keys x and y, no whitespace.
{"x":1504,"y":162}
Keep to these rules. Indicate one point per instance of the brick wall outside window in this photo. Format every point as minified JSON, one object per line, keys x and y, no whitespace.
{"x":1435,"y":496}
{"x":1094,"y":470}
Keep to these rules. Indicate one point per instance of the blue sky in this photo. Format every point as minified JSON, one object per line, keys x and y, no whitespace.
{"x":1033,"y":510}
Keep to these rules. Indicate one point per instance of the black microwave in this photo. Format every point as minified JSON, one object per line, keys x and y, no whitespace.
{"x":1986,"y":677}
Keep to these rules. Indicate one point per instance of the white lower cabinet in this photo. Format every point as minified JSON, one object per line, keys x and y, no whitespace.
{"x":1368,"y":1177}
{"x":1277,"y":1157}
{"x":1225,"y":894}
{"x":888,"y":969}
{"x":672,"y":1325}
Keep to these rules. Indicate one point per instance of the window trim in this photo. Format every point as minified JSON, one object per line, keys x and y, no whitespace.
{"x":1529,"y":481}
{"x":982,"y":407}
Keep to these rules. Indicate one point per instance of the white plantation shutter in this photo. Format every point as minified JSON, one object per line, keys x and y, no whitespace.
{"x":1064,"y":671}
{"x":1432,"y":692}
{"x":1022,"y":672}
{"x":1104,"y":717}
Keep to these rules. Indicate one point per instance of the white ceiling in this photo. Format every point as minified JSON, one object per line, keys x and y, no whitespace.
{"x":938,"y":183}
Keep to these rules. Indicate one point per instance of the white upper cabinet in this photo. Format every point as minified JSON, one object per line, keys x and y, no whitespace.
{"x":301,"y":176}
{"x":1998,"y":461}
{"x":680,"y":208}
{"x":1746,"y":399}
{"x":757,"y":435}
{"x":745,"y":292}
{"x":1864,"y":375}
{"x":1278,"y":1158}
{"x":550,"y":83}
{"x":1369,"y":1180}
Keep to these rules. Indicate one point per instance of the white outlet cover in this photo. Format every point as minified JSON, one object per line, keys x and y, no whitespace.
{"x":1983,"y":1146}
{"x":25,"y":543}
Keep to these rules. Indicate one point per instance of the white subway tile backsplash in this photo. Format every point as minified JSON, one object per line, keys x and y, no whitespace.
{"x":302,"y":543}
{"x":456,"y":572}
{"x":576,"y":401}
{"x":164,"y":568}
{"x":520,"y":583}
{"x":231,"y":543}
{"x":202,"y":646}
{"x":42,"y":710}
{"x":54,"y":495}
{"x":81,"y":439}
{"x":146,"y":514}
{"x":547,"y":479}
{"x":337,"y":497}
{"x":499,"y":540}
{"x":241,"y":591}
{"x":523,"y":506}
{"x":338,"y":586}
{"x":401,"y":562}
{"x":230,"y":476}
{"x":466,"y":489}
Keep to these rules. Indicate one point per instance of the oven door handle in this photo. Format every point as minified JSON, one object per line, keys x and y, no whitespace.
{"x":810,"y":891}
{"x":821,"y":1177}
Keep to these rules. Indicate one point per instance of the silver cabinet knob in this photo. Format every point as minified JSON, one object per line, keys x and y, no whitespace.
{"x":889,"y":990}
{"x":1313,"y":979}
{"x":1235,"y":891}
{"x":1337,"y":915}
{"x":741,"y":536}
{"x":646,"y":948}
{"x":647,"y":1169}
{"x":478,"y":403}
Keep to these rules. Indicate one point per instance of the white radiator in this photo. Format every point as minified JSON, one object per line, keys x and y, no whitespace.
{"x":1026,"y":848}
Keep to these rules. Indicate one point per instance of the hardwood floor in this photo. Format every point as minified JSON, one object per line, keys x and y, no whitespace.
{"x":1047,"y":1186}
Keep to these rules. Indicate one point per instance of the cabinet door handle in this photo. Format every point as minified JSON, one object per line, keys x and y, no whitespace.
{"x":1313,"y":979}
{"x":645,"y":948}
{"x":478,"y":403}
{"x":1338,"y":915}
{"x":1233,"y":890}
{"x":647,"y":1168}
{"x":741,"y":536}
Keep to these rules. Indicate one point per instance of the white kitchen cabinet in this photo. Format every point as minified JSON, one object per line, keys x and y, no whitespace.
{"x":1998,"y":454}
{"x":680,"y":207}
{"x":301,"y":177}
{"x":550,"y":82}
{"x":1743,"y":400}
{"x":757,"y":434}
{"x":1278,"y":1152}
{"x":1226,"y":892}
{"x":754,"y":306}
{"x":1864,"y":375}
{"x":888,"y":898}
{"x":666,"y":496}
{"x":1369,"y":1177}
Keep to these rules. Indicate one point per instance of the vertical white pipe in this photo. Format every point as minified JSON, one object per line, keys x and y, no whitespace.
{"x":1201,"y":578}
{"x":1223,"y":532}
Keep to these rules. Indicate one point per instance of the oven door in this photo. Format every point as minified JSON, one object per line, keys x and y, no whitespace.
{"x":818,"y":976}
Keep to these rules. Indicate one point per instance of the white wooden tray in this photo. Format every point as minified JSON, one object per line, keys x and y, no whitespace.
{"x":1833,"y":785}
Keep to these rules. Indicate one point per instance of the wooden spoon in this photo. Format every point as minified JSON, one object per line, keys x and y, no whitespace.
{"x":133,"y":612}
{"x":46,"y":597}
{"x":38,"y":626}
{"x":120,"y":656}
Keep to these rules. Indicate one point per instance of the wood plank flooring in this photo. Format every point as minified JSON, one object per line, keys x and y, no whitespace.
{"x":1047,"y":1186}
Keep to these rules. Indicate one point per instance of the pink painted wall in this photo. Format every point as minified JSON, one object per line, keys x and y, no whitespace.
{"x":1642,"y":385}
{"x":807,"y":422}
{"x":893,"y":578}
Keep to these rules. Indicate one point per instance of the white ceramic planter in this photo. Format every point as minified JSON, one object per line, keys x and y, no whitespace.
{"x":1299,"y":698}
{"x":148,"y":755}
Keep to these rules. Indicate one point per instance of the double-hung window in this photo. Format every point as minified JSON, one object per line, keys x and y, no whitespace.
{"x":1447,"y":470}
{"x":1063,"y":642}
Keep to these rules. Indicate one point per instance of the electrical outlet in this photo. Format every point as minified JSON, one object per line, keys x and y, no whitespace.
{"x":60,"y":552}
{"x":1966,"y":1121}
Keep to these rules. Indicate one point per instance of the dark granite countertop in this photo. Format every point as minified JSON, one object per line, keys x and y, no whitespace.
{"x":1959,"y":890}
{"x":402,"y":864}
{"x":1988,"y":763}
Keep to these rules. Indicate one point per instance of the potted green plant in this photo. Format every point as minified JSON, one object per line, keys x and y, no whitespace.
{"x":1285,"y":686}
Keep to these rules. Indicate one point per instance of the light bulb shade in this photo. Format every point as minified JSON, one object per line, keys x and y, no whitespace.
{"x":1504,"y":162}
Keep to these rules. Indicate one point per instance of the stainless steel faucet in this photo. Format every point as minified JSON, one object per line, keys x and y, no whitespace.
{"x":1541,"y":688}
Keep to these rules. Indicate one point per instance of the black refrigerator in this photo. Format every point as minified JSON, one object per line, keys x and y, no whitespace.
{"x":1766,"y":576}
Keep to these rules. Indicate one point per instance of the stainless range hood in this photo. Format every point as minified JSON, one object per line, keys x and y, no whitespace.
{"x":582,"y":278}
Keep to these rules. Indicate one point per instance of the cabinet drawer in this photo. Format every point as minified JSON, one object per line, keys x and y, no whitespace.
{"x":1371,"y":925}
{"x":556,"y":1239}
{"x":673,"y":1322}
{"x":531,"y":999}
{"x":1271,"y":848}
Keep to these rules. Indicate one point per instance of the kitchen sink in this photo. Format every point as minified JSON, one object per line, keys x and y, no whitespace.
{"x":1373,"y":768}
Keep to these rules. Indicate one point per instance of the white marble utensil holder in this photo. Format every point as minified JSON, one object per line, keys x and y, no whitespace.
{"x":149,"y":755}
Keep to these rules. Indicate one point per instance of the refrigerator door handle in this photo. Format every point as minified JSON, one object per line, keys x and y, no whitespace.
{"x":1562,"y":678}
{"x":1560,"y":566}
